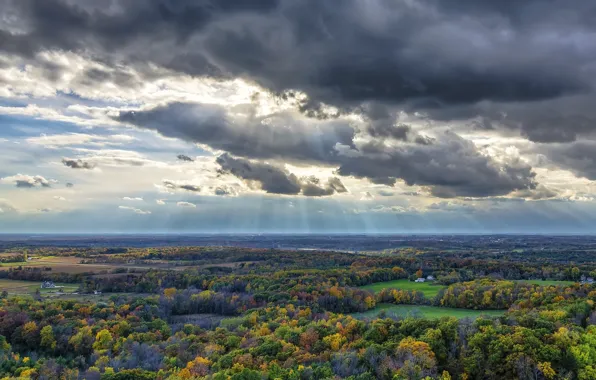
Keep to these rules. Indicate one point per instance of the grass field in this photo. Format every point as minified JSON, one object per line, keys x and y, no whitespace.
{"x":547,"y":282}
{"x":426,"y":312}
{"x":29,"y":287}
{"x":429,"y":290}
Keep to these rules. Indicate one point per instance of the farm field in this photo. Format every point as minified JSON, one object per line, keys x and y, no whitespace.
{"x":60,"y":264}
{"x":430,"y":290}
{"x":425,"y":311}
{"x":29,"y":287}
{"x":72,"y":265}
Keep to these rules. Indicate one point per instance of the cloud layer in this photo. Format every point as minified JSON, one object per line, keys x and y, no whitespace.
{"x":450,"y":107}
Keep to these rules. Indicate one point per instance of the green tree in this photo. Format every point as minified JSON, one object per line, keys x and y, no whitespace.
{"x":48,"y":341}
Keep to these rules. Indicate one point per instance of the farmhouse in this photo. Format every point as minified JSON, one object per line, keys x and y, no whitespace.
{"x":430,"y":278}
{"x":48,"y":285}
{"x":419,"y":280}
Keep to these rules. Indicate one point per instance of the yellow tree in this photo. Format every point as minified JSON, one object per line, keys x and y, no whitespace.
{"x":416,"y":359}
{"x":169,"y":293}
{"x":103,"y":340}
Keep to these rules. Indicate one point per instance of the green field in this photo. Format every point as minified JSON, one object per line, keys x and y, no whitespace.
{"x":547,"y":282}
{"x":425,"y":311}
{"x":29,"y":287}
{"x":429,"y":290}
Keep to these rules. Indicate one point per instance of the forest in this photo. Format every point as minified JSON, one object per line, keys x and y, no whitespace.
{"x":262,"y":313}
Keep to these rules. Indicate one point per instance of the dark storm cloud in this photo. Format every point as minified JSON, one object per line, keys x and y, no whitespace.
{"x":77,"y":164}
{"x":398,"y":132}
{"x":449,"y":164}
{"x":311,"y":187}
{"x":276,"y":180}
{"x":429,"y":53}
{"x":241,"y":133}
{"x":578,"y":157}
{"x":562,"y":119}
{"x":452,"y":167}
{"x":183,"y":157}
{"x":272,"y":179}
{"x":523,"y":65}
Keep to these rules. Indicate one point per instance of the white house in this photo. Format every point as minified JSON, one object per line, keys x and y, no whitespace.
{"x":47,"y":285}
{"x":430,"y":278}
{"x":419,"y":280}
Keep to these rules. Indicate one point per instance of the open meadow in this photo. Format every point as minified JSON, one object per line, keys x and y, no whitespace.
{"x":429,"y":289}
{"x":422,"y":311}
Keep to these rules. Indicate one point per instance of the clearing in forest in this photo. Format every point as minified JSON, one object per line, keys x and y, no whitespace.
{"x":429,"y":289}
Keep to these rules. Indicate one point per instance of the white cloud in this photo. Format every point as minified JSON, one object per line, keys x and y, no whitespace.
{"x":27,"y":181}
{"x":61,"y":140}
{"x":452,"y":206}
{"x":132,"y":199}
{"x":393,"y":209}
{"x":135,"y":210}
{"x":160,"y":202}
{"x":186,"y":204}
{"x":367,"y":196}
{"x":59,"y":198}
{"x":6,"y":206}
{"x":118,"y":158}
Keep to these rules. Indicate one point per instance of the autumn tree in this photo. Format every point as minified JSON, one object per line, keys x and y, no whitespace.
{"x":48,"y":341}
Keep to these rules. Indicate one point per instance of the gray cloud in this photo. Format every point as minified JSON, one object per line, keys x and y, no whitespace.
{"x":425,"y":55}
{"x":451,"y":167}
{"x":271,"y":179}
{"x":449,"y":164}
{"x":181,"y":186}
{"x":399,"y":132}
{"x":276,"y":180}
{"x":539,"y":193}
{"x":224,"y":191}
{"x":77,"y":164}
{"x":69,"y":185}
{"x":562,"y":119}
{"x":183,"y":157}
{"x":579,"y":157}
{"x":27,"y":181}
{"x":241,"y":133}
{"x":311,"y":187}
{"x":514,"y":65}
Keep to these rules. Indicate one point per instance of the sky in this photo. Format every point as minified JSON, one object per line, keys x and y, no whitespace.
{"x":363,"y":116}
